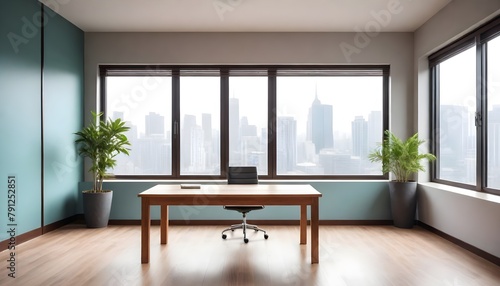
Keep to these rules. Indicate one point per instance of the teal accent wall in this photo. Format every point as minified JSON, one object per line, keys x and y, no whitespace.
{"x":20,"y":112}
{"x":21,"y":123}
{"x":341,"y":200}
{"x":63,"y":101}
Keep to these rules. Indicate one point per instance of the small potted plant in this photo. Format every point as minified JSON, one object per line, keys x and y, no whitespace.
{"x":403,"y":160}
{"x":100,"y":141}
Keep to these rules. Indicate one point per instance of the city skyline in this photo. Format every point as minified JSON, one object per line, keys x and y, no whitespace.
{"x":201,"y":153}
{"x":320,"y":122}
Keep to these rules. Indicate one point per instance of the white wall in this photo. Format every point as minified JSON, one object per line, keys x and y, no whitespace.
{"x":466,"y":215}
{"x":470,"y":216}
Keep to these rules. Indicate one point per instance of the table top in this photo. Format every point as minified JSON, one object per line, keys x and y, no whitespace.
{"x":233,"y":190}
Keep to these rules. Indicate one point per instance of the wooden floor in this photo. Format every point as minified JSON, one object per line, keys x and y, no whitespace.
{"x":196,"y":255}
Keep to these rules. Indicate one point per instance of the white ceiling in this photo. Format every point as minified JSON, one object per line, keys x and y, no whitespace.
{"x":246,"y":15}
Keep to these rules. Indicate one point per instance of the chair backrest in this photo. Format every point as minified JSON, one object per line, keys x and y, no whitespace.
{"x":242,"y":175}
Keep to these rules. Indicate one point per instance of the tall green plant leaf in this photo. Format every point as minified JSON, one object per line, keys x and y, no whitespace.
{"x":101,"y":141}
{"x":402,"y":158}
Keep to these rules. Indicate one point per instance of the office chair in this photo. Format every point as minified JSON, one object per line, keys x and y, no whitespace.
{"x":243,"y":175}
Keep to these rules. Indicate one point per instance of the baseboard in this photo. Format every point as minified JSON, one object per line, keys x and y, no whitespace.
{"x":4,"y":244}
{"x":55,"y":225}
{"x":479,"y":252}
{"x":205,"y":222}
{"x":355,"y":222}
{"x":258,"y":222}
{"x":37,"y":232}
{"x":79,"y":219}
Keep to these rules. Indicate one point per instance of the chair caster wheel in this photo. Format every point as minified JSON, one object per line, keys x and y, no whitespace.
{"x":266,"y":236}
{"x":224,"y":236}
{"x":245,"y":240}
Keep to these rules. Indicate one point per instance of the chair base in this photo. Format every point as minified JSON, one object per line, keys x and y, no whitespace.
{"x":244,"y":226}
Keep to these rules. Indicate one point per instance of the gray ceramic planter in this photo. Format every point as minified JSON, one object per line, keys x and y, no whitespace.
{"x":403,"y":203}
{"x":96,"y":208}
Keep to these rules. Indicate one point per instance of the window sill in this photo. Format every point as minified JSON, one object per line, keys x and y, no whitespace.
{"x":464,"y":192}
{"x":224,"y":181}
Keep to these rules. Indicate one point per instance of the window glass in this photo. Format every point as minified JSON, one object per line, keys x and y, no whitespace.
{"x":248,"y":122}
{"x":457,"y":107}
{"x":327,"y":125}
{"x":145,"y":103}
{"x":200,"y":125}
{"x":326,"y":120}
{"x":493,"y":94}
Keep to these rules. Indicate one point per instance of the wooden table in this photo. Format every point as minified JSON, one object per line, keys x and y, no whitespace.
{"x":223,"y":194}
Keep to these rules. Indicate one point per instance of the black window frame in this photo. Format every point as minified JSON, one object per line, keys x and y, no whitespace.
{"x":226,"y":71}
{"x":478,"y":39}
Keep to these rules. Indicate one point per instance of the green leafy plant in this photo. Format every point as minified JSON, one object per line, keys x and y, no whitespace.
{"x":101,"y":141}
{"x":402,"y":158}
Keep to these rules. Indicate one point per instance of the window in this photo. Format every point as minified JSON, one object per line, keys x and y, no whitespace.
{"x":322,"y":127}
{"x":289,"y":121}
{"x":457,"y":108}
{"x":248,"y":122}
{"x":466,"y":110}
{"x":493,"y":95}
{"x":199,"y":125}
{"x":145,"y":102}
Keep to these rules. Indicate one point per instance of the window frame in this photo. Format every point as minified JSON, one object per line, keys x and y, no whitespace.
{"x":225,"y":72}
{"x":478,"y":39}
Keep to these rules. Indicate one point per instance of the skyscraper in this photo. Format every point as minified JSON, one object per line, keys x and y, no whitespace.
{"x":453,"y":142}
{"x":320,"y":125}
{"x":246,"y":129}
{"x":359,"y":130}
{"x":197,"y":164}
{"x":118,"y":114}
{"x":287,"y":144}
{"x":155,"y":125}
{"x":374,"y":129}
{"x":206,"y":124}
{"x":234,"y":130}
{"x":188,"y":127}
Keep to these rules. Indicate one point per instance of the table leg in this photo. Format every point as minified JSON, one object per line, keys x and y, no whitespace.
{"x":145,"y":228}
{"x":315,"y":230}
{"x":303,"y":224}
{"x":164,"y":224}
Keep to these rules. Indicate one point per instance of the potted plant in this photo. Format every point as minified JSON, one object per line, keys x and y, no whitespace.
{"x":100,"y":141}
{"x":403,"y":160}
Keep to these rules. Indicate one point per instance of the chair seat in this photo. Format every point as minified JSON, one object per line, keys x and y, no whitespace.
{"x":243,"y":209}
